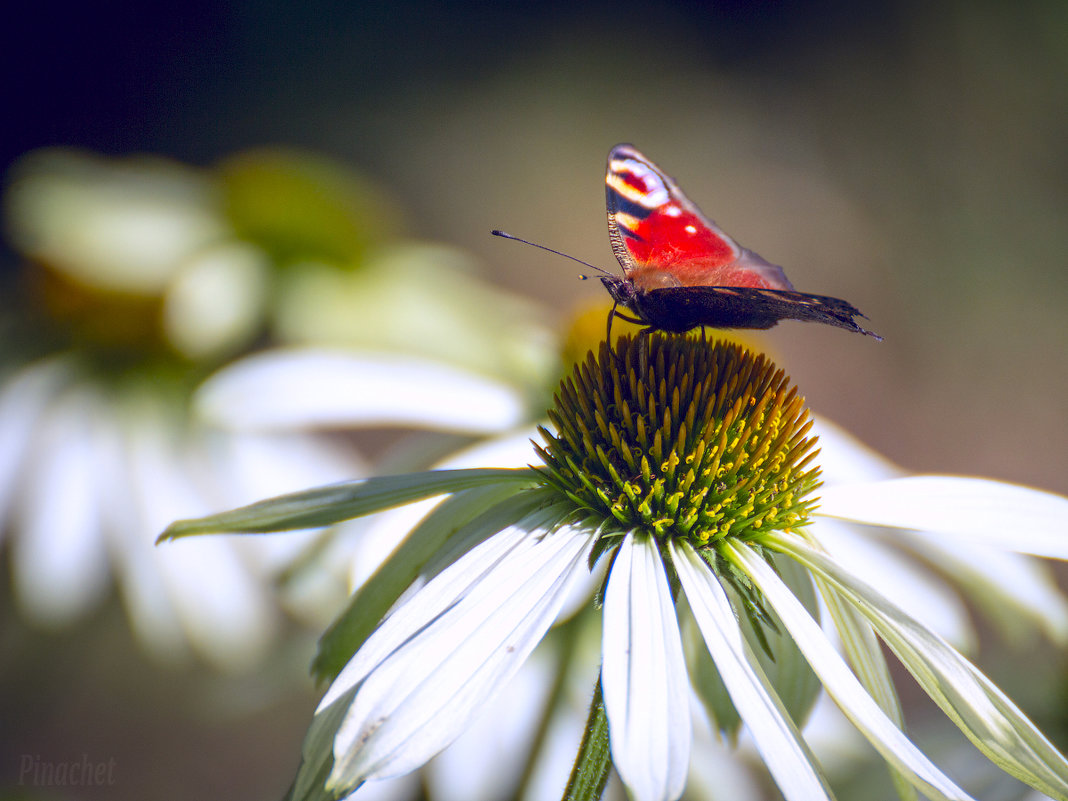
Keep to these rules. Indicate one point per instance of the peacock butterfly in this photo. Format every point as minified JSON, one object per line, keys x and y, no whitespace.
{"x":681,"y":271}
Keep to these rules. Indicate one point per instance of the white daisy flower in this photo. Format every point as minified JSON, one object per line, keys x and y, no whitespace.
{"x":688,"y":471}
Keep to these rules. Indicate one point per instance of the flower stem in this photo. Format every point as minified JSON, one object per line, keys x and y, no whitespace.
{"x":594,"y":760}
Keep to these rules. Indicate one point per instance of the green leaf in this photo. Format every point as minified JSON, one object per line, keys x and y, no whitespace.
{"x":325,"y":506}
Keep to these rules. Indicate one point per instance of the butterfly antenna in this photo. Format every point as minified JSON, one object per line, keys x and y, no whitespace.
{"x":504,"y":235}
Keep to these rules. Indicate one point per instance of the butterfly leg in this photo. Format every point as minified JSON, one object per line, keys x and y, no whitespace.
{"x":616,"y":313}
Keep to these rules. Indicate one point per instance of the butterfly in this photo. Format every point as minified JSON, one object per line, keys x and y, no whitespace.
{"x":682,"y":271}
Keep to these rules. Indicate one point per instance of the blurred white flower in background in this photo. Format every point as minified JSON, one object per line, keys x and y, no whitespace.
{"x":88,"y":472}
{"x":140,"y":278}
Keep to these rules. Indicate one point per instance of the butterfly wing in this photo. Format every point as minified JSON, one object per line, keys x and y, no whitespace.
{"x":682,"y":271}
{"x":680,"y":309}
{"x":662,"y":239}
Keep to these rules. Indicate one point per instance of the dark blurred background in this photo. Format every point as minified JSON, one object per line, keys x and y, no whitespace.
{"x":910,"y":157}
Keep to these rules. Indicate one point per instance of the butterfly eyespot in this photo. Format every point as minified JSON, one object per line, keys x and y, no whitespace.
{"x":627,"y":222}
{"x":638,"y":183}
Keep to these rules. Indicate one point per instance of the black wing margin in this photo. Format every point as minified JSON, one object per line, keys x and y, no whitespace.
{"x":679,"y":309}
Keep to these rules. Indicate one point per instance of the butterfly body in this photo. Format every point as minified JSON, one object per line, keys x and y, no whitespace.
{"x":681,"y":271}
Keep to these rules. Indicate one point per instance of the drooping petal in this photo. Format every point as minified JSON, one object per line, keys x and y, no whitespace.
{"x":428,"y":604}
{"x":861,"y":646}
{"x":1007,"y":586}
{"x":840,"y":682}
{"x":1005,"y":516}
{"x":910,"y":585}
{"x":429,"y":669}
{"x":320,"y":387}
{"x":789,"y":760}
{"x":646,"y":689}
{"x":985,"y":714}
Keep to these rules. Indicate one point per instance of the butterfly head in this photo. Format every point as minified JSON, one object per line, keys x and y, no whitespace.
{"x":622,"y":290}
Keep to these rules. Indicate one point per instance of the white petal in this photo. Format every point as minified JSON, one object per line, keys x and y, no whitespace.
{"x":24,"y":398}
{"x":310,"y":387}
{"x":905,"y":582}
{"x":834,"y":738}
{"x":780,"y":745}
{"x":1003,"y":515}
{"x":840,"y":682}
{"x":59,"y":557}
{"x":646,"y":688}
{"x":403,"y":788}
{"x":433,"y":665}
{"x":430,"y":602}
